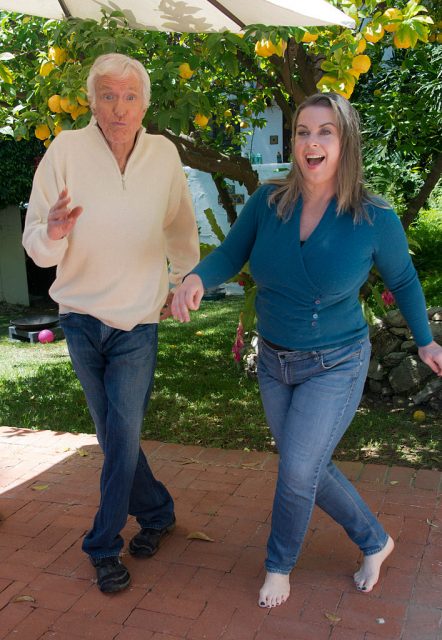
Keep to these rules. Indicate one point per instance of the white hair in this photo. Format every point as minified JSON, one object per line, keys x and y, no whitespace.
{"x":119,"y":65}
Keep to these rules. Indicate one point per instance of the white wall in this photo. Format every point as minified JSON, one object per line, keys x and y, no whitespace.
{"x":205,"y":195}
{"x":13,"y":279}
{"x":259,"y":140}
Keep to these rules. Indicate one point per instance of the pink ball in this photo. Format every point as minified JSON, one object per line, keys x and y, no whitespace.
{"x":46,"y":335}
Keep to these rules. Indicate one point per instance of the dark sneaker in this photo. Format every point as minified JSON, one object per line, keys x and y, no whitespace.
{"x":147,"y":541}
{"x":112,"y":575}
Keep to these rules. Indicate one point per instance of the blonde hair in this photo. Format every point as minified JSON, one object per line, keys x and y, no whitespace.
{"x":351,"y":194}
{"x":119,"y":65}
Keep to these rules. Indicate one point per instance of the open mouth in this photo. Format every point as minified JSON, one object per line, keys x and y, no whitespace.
{"x":313,"y":160}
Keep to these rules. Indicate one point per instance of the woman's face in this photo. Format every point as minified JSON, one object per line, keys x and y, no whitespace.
{"x":316,"y":146}
{"x":119,"y":108}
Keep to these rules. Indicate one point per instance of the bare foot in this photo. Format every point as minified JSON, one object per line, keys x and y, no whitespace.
{"x":368,"y":574}
{"x":275,"y":590}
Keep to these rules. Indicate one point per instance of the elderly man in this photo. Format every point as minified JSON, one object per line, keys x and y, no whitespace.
{"x":132,"y":216}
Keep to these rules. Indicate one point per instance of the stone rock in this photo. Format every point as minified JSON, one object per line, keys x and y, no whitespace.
{"x":409,"y":375}
{"x":428,"y":391}
{"x":409,"y":346}
{"x":436,"y":329}
{"x":394,"y":318}
{"x":375,"y":370}
{"x":400,"y":332}
{"x":384,"y":343}
{"x":435,"y":313}
{"x":375,"y":386}
{"x":393,"y":359}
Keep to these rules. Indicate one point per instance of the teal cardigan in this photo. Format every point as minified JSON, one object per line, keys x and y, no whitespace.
{"x":308,"y":294}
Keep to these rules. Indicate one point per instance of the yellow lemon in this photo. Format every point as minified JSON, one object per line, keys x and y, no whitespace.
{"x":309,"y":37}
{"x":265,"y":48}
{"x":439,"y":38}
{"x":82,"y":97}
{"x":280,"y":48}
{"x":243,"y":124}
{"x":362,"y":45}
{"x":47,"y":143}
{"x":201,"y":120}
{"x":419,"y":415}
{"x":392,"y":14}
{"x":54,"y":103}
{"x":67,"y":105}
{"x":373,"y":32}
{"x":57,"y":129}
{"x":227,"y":113}
{"x":46,"y":68}
{"x":361,"y":63}
{"x":78,"y":111}
{"x":185,"y":71}
{"x":377,"y":92}
{"x":42,"y":131}
{"x":402,"y":41}
{"x":57,"y":54}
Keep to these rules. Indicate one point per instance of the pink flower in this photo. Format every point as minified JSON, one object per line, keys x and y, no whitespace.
{"x":387,"y":298}
{"x":238,"y":345}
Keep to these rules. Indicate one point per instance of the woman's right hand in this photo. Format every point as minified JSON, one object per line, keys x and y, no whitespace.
{"x":187,"y":296}
{"x":61,"y":219}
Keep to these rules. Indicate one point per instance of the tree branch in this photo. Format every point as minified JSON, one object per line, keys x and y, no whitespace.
{"x":225,"y":197}
{"x":211,"y":161}
{"x":416,"y":203}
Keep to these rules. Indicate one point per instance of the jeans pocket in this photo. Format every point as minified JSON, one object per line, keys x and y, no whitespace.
{"x":331,"y":358}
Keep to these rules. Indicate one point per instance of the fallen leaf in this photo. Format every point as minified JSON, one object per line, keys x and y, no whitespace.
{"x":380,"y":620}
{"x":333,"y":619}
{"x":82,"y":453}
{"x":39,"y":487}
{"x":251,"y":465}
{"x":24,"y":599}
{"x":188,"y":461}
{"x":432,"y":524}
{"x":394,"y":482}
{"x":199,"y":535}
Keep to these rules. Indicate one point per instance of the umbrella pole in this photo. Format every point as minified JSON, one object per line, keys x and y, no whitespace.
{"x":64,"y":8}
{"x":223,"y":10}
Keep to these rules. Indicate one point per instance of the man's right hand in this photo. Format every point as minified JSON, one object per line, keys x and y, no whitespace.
{"x":187,"y":296}
{"x":62,"y":219}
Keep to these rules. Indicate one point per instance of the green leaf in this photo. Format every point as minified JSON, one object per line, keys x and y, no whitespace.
{"x":5,"y":74}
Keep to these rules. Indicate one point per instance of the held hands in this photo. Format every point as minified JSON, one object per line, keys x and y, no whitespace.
{"x":61,"y":219}
{"x":187,"y":296}
{"x":431,"y":354}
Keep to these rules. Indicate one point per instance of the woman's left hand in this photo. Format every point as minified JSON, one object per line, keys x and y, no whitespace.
{"x":431,"y":354}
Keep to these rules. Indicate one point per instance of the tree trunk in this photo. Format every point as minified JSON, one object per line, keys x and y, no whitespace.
{"x":416,"y":203}
{"x":225,"y":197}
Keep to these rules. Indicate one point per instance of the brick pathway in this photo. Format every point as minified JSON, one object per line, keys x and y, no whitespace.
{"x":201,"y":590}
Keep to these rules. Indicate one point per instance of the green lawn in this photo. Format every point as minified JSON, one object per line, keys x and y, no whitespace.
{"x":200,"y":396}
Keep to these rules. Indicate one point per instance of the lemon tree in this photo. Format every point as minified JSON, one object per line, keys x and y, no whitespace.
{"x":209,"y":90}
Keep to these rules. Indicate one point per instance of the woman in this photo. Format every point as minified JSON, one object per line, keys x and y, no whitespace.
{"x":311,"y":241}
{"x":133,"y":213}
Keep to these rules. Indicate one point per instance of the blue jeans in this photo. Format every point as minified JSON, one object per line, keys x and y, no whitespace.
{"x":116,"y":370}
{"x":309,"y":399}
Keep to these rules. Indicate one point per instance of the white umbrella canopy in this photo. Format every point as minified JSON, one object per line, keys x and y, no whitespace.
{"x":191,"y":15}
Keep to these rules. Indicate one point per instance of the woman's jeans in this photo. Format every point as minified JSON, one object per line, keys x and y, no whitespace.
{"x":310,"y":399}
{"x":116,"y":370}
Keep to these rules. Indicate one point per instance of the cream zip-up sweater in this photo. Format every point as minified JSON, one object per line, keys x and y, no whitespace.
{"x":113,"y":265}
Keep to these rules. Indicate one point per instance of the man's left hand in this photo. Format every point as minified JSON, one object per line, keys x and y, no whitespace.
{"x":166,"y":311}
